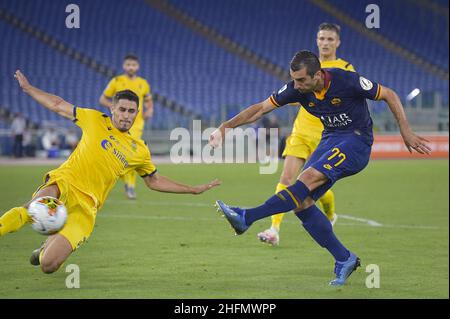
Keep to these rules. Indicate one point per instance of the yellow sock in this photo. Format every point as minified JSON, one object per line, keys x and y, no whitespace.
{"x":124,"y":178}
{"x":13,"y":220}
{"x":276,"y":219}
{"x":130,"y":179}
{"x":319,"y":204}
{"x":327,"y":204}
{"x":41,"y":253}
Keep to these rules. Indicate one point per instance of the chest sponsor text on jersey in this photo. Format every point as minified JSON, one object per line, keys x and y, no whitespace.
{"x":333,"y":121}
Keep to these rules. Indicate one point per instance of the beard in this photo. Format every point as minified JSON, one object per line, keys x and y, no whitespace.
{"x":131,"y":73}
{"x":123,"y":127}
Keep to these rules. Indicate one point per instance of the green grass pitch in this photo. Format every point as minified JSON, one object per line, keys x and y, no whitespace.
{"x":177,"y":246}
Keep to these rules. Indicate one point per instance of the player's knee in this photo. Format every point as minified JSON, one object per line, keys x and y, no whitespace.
{"x":312,"y":176}
{"x":287,"y":178}
{"x":307,"y":203}
{"x":49,"y":266}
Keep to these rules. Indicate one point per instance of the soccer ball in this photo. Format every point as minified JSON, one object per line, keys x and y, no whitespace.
{"x":48,"y":214}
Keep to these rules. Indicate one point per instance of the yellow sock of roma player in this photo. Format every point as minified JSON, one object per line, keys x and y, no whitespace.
{"x":276,"y":219}
{"x":13,"y":220}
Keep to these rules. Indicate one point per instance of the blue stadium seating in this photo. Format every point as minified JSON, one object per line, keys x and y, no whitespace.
{"x":417,"y":29}
{"x":276,"y":30}
{"x":179,"y":63}
{"x":56,"y":73}
{"x":45,"y":68}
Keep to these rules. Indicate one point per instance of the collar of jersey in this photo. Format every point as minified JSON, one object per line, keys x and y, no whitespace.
{"x":326,"y":85}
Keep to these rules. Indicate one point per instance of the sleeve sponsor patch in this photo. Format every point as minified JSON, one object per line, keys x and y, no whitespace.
{"x":365,"y":83}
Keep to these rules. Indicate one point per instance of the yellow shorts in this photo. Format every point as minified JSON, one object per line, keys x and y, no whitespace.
{"x":80,"y":208}
{"x":301,"y":146}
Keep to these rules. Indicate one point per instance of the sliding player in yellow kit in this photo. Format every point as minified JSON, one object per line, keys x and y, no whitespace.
{"x":130,"y":81}
{"x":105,"y":152}
{"x":306,"y":135}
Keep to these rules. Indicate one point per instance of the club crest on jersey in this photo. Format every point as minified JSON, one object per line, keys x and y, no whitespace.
{"x":133,"y":146}
{"x":336,"y":101}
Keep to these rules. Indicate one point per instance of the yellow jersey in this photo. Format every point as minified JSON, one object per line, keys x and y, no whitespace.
{"x":139,"y":86}
{"x":308,"y":124}
{"x":103,"y":154}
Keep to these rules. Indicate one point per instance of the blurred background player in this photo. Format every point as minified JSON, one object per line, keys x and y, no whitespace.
{"x":306,"y":135}
{"x":131,"y":81}
{"x":51,"y":142}
{"x":18,"y":128}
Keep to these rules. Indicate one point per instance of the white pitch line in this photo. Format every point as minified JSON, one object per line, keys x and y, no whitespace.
{"x":187,"y":204}
{"x":189,"y":218}
{"x":362,"y":221}
{"x":159,"y":203}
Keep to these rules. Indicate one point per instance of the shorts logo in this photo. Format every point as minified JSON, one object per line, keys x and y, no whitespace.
{"x":327,"y":166}
{"x":311,"y":104}
{"x":336,"y":101}
{"x":106,"y":144}
{"x":366,"y":84}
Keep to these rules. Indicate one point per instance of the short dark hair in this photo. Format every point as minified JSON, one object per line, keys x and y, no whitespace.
{"x":126,"y":95}
{"x":330,"y":27}
{"x":305,"y":59}
{"x":131,"y":57}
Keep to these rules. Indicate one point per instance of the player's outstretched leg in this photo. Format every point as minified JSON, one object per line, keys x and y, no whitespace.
{"x":291,"y":168}
{"x":321,"y":230}
{"x":13,"y":220}
{"x":234,"y":215}
{"x":36,"y":254}
{"x":272,"y":235}
{"x":16,"y":217}
{"x":55,"y":251}
{"x":290,"y":198}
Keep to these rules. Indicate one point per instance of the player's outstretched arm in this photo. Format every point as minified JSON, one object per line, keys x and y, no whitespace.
{"x":104,"y":101}
{"x":249,"y":115}
{"x":52,"y":102}
{"x":148,"y":110}
{"x":161,"y":183}
{"x":412,"y":141}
